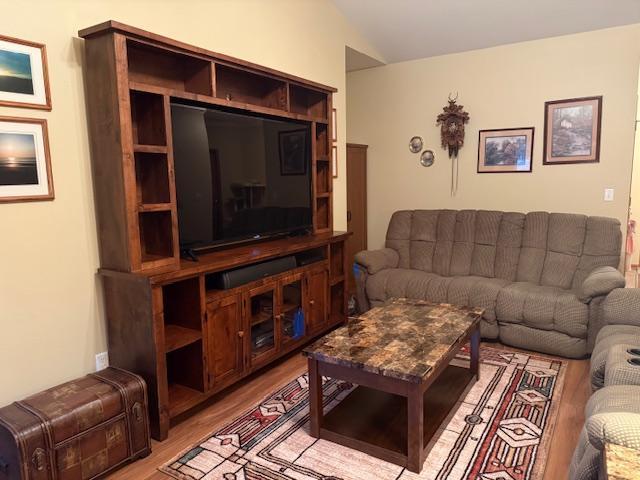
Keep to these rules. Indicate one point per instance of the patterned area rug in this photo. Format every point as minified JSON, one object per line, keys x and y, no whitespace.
{"x":500,"y":430}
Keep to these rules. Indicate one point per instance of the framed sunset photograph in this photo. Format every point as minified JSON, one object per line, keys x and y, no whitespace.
{"x":572,"y":131}
{"x":25,"y":166}
{"x":24,"y":80}
{"x":505,"y":150}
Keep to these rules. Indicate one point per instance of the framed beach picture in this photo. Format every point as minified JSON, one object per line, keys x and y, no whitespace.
{"x":572,"y":131}
{"x":24,"y":81}
{"x":505,"y":150}
{"x":293,"y":152}
{"x":25,"y":166}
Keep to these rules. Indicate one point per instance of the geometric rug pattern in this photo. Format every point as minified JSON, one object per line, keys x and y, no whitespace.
{"x":500,"y":430}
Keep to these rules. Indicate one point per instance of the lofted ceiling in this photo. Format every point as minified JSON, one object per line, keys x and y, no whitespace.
{"x":408,"y":29}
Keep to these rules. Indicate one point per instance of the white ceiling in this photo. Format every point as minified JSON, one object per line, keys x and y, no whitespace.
{"x":409,"y":29}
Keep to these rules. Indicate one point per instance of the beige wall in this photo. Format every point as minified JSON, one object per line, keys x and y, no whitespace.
{"x":51,"y":322}
{"x":500,"y":87}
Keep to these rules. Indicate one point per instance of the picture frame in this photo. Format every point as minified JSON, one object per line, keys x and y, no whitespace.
{"x":334,"y":125}
{"x":506,"y":150}
{"x":293,"y":145}
{"x":24,"y":74}
{"x":572,"y":129}
{"x":25,"y":161}
{"x":334,"y":161}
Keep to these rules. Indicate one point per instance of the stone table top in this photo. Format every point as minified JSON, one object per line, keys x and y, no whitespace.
{"x":622,"y":463}
{"x":402,"y":339}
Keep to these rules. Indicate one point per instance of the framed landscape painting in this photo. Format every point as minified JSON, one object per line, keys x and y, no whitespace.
{"x":25,"y":166}
{"x":572,"y":130}
{"x":505,"y":150}
{"x":24,"y":79}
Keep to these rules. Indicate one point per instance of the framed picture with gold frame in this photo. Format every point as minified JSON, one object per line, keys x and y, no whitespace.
{"x":24,"y":78}
{"x":334,"y":161}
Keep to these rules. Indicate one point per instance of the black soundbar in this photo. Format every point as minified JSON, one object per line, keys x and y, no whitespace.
{"x":240,"y":276}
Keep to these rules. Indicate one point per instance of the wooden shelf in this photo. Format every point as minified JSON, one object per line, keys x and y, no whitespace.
{"x":337,"y":280}
{"x":149,"y":148}
{"x":261,"y":318}
{"x":322,"y":158}
{"x":256,"y":352}
{"x":154,"y":207}
{"x":182,"y":398}
{"x":323,"y":195}
{"x":176,"y":337}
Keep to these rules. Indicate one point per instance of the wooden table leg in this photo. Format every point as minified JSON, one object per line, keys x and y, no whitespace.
{"x":475,"y":352}
{"x":315,"y":399}
{"x":415,"y":428}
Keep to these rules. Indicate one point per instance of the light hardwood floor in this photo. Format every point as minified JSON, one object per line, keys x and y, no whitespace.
{"x":231,"y":404}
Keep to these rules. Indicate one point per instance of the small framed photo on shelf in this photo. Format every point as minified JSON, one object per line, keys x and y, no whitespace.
{"x":505,"y":150}
{"x":572,"y":131}
{"x":24,"y":79}
{"x":25,"y":164}
{"x":334,"y":125}
{"x":334,"y":161}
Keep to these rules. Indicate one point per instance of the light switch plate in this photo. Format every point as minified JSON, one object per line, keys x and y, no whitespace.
{"x":102,"y":361}
{"x":608,"y":194}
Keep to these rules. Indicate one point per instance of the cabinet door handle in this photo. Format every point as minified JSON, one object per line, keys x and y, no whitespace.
{"x":312,"y":302}
{"x":241,"y":334}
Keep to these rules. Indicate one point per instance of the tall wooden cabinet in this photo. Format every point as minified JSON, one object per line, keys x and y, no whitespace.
{"x":166,"y":319}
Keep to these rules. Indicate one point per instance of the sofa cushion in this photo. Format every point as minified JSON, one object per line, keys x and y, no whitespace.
{"x":471,"y":290}
{"x":543,"y":307}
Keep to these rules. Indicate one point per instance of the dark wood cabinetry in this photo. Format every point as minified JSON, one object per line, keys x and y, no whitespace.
{"x":166,"y":322}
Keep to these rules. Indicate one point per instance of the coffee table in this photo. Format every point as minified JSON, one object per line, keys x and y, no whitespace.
{"x":399,"y":355}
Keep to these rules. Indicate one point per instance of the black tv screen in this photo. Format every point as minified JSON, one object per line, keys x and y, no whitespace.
{"x":239,"y":177}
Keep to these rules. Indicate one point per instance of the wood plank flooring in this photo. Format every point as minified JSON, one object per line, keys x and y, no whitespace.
{"x":230,"y":404}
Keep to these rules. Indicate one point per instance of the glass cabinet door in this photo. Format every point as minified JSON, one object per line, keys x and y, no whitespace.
{"x":291,"y":310}
{"x":261,"y":313}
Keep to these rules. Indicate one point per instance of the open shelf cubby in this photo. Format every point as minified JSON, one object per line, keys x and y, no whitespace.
{"x":322,"y":213}
{"x":337,"y":308}
{"x":182,"y":313}
{"x":322,"y":140}
{"x":337,"y":260}
{"x":240,"y":85}
{"x":306,"y":101}
{"x":323,"y":178}
{"x":185,"y":377}
{"x":147,"y":119}
{"x":164,"y":68}
{"x":156,"y":241}
{"x":152,"y":178}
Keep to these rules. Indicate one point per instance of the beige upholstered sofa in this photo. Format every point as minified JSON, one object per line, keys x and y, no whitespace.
{"x":541,"y":277}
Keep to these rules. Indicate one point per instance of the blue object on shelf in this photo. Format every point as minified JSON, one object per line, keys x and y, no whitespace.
{"x":298,"y":324}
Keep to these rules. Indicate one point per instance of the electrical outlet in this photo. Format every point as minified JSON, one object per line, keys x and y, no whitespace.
{"x":608,"y":194}
{"x":102,"y":361}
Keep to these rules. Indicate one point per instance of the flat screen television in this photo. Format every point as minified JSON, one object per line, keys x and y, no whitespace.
{"x":239,"y":177}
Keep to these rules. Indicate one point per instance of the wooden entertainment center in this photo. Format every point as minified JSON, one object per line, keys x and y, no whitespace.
{"x":167,"y":319}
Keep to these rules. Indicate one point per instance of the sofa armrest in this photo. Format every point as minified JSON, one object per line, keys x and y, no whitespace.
{"x":621,"y":428}
{"x":599,"y":282}
{"x":376,"y":260}
{"x":622,"y":307}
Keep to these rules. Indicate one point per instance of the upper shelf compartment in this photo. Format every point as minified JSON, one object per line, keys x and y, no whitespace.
{"x":306,"y":101}
{"x":239,"y":85}
{"x":165,"y":68}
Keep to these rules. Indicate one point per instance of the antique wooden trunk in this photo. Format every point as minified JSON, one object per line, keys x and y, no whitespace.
{"x":78,"y":430}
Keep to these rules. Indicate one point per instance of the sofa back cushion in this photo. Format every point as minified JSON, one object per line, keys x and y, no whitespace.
{"x":556,"y":249}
